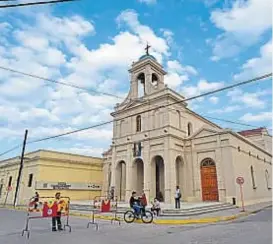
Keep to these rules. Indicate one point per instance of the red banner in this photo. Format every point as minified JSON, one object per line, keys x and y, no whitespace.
{"x":105,"y":205}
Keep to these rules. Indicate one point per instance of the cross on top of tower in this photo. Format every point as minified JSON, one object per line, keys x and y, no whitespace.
{"x":147,"y":49}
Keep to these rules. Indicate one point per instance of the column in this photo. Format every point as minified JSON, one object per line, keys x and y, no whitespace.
{"x":219,"y":172}
{"x":113,"y":169}
{"x":147,"y":170}
{"x":129,"y":172}
{"x":167,"y":172}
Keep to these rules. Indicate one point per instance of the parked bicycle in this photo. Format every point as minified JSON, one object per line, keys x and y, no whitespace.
{"x":147,"y":217}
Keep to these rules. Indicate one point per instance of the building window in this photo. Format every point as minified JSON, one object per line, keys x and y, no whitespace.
{"x":138,"y":123}
{"x":249,"y":153}
{"x":30,"y":178}
{"x":267,"y":179}
{"x":179,"y":118}
{"x":239,"y":149}
{"x":10,"y":181}
{"x":252,"y":177}
{"x":189,"y":129}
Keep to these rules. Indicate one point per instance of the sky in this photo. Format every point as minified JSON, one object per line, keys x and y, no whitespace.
{"x":202,"y":44}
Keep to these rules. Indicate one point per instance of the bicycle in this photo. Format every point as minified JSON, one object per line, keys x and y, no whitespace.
{"x":130,"y":216}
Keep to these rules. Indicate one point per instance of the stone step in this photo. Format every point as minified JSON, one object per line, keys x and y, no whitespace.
{"x":214,"y":206}
{"x":197,"y":212}
{"x":168,"y":212}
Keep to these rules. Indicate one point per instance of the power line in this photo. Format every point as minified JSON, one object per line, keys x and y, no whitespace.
{"x":10,"y":150}
{"x":233,"y":122}
{"x":59,"y":82}
{"x":161,"y":106}
{"x":202,"y":95}
{"x":34,"y":3}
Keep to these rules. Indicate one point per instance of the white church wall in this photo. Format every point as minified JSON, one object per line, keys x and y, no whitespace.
{"x":245,"y":156}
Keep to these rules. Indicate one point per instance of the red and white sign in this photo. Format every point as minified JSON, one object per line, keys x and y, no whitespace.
{"x":240,"y":180}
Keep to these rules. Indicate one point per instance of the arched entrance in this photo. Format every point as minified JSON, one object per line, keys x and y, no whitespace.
{"x":158,"y":178}
{"x":209,"y":180}
{"x":121,"y":180}
{"x":138,"y":175}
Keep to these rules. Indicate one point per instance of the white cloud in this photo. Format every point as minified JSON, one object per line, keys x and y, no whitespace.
{"x":263,"y":116}
{"x":149,"y":2}
{"x":177,"y":73}
{"x":228,"y":109}
{"x":257,"y":66}
{"x":146,"y":34}
{"x":239,"y":29}
{"x":254,"y":100}
{"x":203,"y":86}
{"x":82,"y":150}
{"x":54,"y":48}
{"x":214,"y":100}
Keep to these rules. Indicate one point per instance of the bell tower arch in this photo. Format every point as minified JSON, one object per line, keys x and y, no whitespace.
{"x":147,"y":76}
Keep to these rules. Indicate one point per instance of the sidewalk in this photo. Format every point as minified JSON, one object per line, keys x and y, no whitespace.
{"x":198,"y":219}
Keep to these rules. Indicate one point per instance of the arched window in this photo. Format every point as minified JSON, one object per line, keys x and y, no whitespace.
{"x":189,"y":129}
{"x":207,"y":162}
{"x":138,"y":123}
{"x":267,"y":179}
{"x":154,"y":80}
{"x":141,"y":84}
{"x":179,"y":118}
{"x":252,"y":177}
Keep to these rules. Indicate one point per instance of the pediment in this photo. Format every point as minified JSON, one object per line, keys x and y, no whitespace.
{"x":205,"y":131}
{"x":129,"y":104}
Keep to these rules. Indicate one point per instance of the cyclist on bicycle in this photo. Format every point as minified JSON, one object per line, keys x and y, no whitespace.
{"x":135,"y":204}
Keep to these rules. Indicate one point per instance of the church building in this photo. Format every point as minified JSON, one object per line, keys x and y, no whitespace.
{"x":159,"y":143}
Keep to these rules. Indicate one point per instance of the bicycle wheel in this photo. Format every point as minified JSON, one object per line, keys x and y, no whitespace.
{"x":129,"y":216}
{"x":148,"y":217}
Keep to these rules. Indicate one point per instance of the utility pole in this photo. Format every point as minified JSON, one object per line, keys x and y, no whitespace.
{"x":20,"y":168}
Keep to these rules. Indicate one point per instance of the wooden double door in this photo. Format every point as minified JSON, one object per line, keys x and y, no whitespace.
{"x":209,"y":181}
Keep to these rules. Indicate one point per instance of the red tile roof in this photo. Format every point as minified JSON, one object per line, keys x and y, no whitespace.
{"x":252,"y":132}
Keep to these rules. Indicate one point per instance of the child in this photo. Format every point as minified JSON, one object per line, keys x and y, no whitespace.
{"x":156,"y":207}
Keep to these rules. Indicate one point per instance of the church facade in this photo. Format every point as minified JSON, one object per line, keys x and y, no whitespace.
{"x":159,"y":143}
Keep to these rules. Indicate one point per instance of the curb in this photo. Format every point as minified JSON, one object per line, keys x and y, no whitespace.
{"x":172,"y":221}
{"x":165,"y":221}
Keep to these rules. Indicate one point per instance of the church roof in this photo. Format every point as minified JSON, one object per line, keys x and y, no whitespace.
{"x":257,"y":131}
{"x":147,"y":56}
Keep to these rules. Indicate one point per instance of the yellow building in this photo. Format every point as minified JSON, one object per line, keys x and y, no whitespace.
{"x":47,"y":172}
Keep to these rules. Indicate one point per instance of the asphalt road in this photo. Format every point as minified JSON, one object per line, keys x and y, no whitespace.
{"x":254,"y":229}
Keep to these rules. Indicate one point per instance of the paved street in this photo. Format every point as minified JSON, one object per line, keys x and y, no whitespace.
{"x":255,"y":229}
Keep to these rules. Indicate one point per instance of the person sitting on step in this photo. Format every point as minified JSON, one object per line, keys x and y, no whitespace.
{"x":155,"y":207}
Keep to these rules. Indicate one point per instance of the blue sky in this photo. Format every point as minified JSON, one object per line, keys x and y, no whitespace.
{"x":202,"y":44}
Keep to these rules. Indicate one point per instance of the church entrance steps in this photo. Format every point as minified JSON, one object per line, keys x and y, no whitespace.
{"x":197,"y":210}
{"x":187,"y":209}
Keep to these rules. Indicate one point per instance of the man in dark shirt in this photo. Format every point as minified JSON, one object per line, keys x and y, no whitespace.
{"x":135,"y":203}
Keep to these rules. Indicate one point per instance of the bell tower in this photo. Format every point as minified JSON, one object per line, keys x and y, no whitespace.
{"x":147,"y":76}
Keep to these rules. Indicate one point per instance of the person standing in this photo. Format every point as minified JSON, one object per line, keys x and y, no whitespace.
{"x":59,"y":212}
{"x":177,"y":197}
{"x":143,"y":201}
{"x":36,"y":200}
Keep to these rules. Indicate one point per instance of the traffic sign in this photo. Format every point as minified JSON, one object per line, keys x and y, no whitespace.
{"x":240,"y":180}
